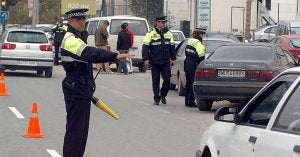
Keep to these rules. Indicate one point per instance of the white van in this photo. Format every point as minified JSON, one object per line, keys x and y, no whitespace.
{"x":287,"y":27}
{"x":139,"y":27}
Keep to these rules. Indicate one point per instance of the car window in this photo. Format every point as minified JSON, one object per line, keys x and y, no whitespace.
{"x":288,"y":119}
{"x":281,"y":57}
{"x":27,"y":37}
{"x":262,"y":108}
{"x":177,"y":36}
{"x":295,"y":43}
{"x":92,"y":27}
{"x":181,"y":49}
{"x":138,"y":27}
{"x":211,"y":45}
{"x":253,"y":52}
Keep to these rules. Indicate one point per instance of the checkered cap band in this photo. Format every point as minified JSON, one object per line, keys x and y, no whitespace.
{"x":76,"y":14}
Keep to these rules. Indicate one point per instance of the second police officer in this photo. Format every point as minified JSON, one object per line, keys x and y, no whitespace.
{"x":58,"y":31}
{"x":195,"y":53}
{"x":159,"y":51}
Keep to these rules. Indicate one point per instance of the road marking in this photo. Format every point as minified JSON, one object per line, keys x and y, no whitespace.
{"x":142,"y":102}
{"x":53,"y":153}
{"x":116,"y":92}
{"x":161,"y":110}
{"x":16,"y":112}
{"x":127,"y":96}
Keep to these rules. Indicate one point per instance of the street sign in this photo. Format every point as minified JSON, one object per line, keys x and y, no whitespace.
{"x":4,"y":17}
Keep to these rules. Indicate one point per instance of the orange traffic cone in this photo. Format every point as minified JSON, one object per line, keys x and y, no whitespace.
{"x":34,"y":125}
{"x":2,"y":85}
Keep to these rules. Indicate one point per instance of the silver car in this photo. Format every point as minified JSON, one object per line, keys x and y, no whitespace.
{"x":177,"y":72}
{"x":265,"y":33}
{"x":23,"y":49}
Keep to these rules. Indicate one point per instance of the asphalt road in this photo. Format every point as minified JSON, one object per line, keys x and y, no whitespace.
{"x":143,"y":130}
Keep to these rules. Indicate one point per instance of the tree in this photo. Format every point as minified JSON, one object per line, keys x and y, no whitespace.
{"x":148,"y":9}
{"x":48,"y":12}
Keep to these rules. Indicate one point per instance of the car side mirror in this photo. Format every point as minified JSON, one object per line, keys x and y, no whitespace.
{"x":226,"y":114}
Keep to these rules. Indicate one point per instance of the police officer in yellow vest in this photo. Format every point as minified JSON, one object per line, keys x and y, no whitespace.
{"x":58,"y":31}
{"x":78,"y":85}
{"x":195,"y":53}
{"x":159,"y":51}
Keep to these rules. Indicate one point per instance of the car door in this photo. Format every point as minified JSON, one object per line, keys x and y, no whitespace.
{"x":254,"y":118}
{"x":281,"y":138}
{"x":178,"y":66}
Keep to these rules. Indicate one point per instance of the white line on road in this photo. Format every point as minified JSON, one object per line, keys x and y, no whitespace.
{"x":161,"y":110}
{"x":127,"y":96}
{"x":53,"y":153}
{"x":16,"y":112}
{"x":116,"y":92}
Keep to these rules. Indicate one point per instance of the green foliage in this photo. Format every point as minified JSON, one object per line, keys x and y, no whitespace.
{"x":48,"y":12}
{"x":149,"y":9}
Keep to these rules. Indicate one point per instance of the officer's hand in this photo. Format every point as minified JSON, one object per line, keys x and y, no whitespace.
{"x":124,"y":56}
{"x":173,"y":62}
{"x":146,"y":62}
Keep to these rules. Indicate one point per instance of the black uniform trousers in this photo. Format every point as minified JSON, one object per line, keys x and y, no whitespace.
{"x":77,"y":126}
{"x":189,"y":95}
{"x":56,"y":51}
{"x":165,"y":71}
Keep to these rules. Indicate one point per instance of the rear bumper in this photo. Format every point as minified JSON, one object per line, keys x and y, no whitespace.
{"x":226,"y":90}
{"x":33,"y":63}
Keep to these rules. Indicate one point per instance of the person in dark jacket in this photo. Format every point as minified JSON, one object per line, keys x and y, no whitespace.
{"x":159,"y":51}
{"x":195,"y":53}
{"x":79,"y":85}
{"x":123,"y":45}
{"x":58,"y":31}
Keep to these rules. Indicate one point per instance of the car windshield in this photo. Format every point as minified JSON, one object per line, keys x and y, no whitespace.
{"x":45,"y":29}
{"x":177,"y":36}
{"x":295,"y":43}
{"x":27,"y":37}
{"x":211,"y":45}
{"x":138,"y":27}
{"x":260,"y":53}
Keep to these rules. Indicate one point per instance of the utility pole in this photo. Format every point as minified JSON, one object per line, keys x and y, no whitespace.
{"x":248,"y":20}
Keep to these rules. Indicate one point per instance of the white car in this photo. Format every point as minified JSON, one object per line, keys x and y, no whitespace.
{"x":265,"y":33}
{"x":24,"y":49}
{"x":268,"y":126}
{"x":178,"y":36}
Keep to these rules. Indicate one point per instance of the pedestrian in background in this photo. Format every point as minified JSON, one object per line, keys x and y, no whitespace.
{"x":131,"y":36}
{"x":123,"y":45}
{"x":194,"y":54}
{"x":58,"y":31}
{"x":101,"y":36}
{"x":79,"y":85}
{"x":159,"y":51}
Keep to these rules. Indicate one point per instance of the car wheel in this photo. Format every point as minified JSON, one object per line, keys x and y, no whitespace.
{"x":181,"y":89}
{"x":172,"y":86}
{"x":204,"y":104}
{"x":48,"y":73}
{"x":142,"y":67}
{"x":39,"y":72}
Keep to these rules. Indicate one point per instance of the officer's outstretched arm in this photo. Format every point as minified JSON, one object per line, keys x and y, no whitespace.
{"x":98,"y":55}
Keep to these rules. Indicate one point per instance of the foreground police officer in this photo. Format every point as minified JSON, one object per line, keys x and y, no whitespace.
{"x":159,"y":51}
{"x":78,"y":85}
{"x":195,"y":53}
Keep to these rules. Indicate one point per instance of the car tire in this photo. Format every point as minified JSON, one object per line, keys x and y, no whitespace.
{"x":181,"y":89}
{"x":172,"y":86}
{"x":39,"y":72}
{"x":48,"y":73}
{"x":204,"y":104}
{"x":142,"y":67}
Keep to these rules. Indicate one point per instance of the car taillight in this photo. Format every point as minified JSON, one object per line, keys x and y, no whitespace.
{"x":8,"y":46}
{"x":264,"y":74}
{"x":205,"y":73}
{"x":45,"y":47}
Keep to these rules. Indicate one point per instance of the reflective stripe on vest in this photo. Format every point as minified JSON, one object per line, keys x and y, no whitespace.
{"x":72,"y":44}
{"x":70,"y":59}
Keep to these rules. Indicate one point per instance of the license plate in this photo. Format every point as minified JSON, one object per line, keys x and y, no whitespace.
{"x":29,"y":63}
{"x":231,"y":73}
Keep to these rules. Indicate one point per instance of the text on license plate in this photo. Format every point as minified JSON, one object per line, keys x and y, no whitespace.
{"x":30,"y":63}
{"x":231,"y":73}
